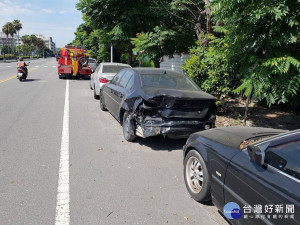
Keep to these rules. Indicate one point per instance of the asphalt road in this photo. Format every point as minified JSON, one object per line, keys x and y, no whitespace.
{"x":106,"y":180}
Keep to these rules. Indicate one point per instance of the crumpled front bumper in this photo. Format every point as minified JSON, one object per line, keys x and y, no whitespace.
{"x":170,"y":127}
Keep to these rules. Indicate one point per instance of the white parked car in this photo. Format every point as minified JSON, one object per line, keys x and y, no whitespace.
{"x":103,"y":74}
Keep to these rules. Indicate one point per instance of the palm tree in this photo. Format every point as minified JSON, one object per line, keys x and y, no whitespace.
{"x":12,"y":33}
{"x":6,"y":31}
{"x":18,"y":26}
{"x":9,"y":29}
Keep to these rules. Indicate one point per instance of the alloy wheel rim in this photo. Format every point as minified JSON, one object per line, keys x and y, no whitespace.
{"x":194,"y":174}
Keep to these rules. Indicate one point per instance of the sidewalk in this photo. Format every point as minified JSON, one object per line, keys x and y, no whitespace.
{"x":16,"y":60}
{"x":8,"y":60}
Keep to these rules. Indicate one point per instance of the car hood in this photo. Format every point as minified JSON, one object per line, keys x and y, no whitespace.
{"x":232,"y":137}
{"x":152,"y":92}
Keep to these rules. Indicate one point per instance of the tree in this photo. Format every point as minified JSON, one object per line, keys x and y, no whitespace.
{"x":196,"y":13}
{"x":34,"y":43}
{"x":121,"y":20}
{"x":263,"y":38}
{"x":18,"y":26}
{"x":8,"y":29}
{"x":164,"y":40}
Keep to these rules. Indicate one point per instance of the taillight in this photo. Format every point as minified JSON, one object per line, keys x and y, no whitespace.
{"x":103,"y":80}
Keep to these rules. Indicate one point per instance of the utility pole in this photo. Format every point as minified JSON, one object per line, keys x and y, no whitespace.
{"x":111,"y":53}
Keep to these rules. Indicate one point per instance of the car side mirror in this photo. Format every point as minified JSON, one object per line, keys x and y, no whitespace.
{"x":256,"y":154}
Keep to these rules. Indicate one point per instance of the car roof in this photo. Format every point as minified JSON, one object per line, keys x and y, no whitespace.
{"x":155,"y":71}
{"x":117,"y":64}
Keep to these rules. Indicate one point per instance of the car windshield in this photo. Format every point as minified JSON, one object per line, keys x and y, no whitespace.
{"x":112,"y":68}
{"x":171,"y":81}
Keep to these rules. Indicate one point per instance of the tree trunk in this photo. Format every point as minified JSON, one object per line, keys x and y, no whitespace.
{"x":198,"y":30}
{"x":157,"y":64}
{"x":129,"y":62}
{"x":208,"y":18}
{"x":247,"y":105}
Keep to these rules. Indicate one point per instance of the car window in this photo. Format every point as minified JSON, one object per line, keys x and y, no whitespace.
{"x":130,"y":83}
{"x":171,"y":81}
{"x":285,"y":157}
{"x":91,"y":60}
{"x":125,"y":78}
{"x":117,"y":77}
{"x":113,"y":68}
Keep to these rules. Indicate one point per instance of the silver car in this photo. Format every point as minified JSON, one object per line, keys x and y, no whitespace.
{"x":103,"y":74}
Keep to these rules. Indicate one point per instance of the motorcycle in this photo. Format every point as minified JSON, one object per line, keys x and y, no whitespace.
{"x":22,"y":72}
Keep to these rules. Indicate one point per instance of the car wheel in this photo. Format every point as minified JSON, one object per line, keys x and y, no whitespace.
{"x":102,"y":103}
{"x":126,"y":128}
{"x":95,"y":95}
{"x":196,"y":177}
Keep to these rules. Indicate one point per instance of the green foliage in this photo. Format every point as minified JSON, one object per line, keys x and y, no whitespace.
{"x":253,"y":43}
{"x":31,"y":43}
{"x":263,"y":37}
{"x":163,"y":41}
{"x":146,"y":62}
{"x":7,"y":56}
{"x":209,"y":67}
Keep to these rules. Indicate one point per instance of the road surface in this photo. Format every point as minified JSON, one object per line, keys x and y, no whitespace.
{"x":64,"y":161}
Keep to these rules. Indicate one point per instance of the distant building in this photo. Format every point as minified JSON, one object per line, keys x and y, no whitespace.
{"x":48,"y":42}
{"x":8,"y":41}
{"x":4,"y":41}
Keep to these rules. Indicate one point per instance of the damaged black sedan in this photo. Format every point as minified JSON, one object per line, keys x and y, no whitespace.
{"x":150,"y":102}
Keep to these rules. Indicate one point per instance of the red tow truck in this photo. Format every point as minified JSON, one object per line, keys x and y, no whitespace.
{"x":73,"y":62}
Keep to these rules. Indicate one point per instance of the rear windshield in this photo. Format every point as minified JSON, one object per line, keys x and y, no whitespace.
{"x":112,"y":68}
{"x":92,"y":60}
{"x":171,"y":81}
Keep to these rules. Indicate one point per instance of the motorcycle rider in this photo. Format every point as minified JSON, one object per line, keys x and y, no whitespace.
{"x":22,"y":64}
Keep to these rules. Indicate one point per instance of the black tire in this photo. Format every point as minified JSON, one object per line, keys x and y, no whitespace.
{"x":126,"y":133}
{"x":20,"y":79}
{"x":95,"y":95}
{"x":198,"y":184}
{"x":102,"y":103}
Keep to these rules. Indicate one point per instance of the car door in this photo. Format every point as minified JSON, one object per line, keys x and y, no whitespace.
{"x":120,"y":92}
{"x":109,"y":89}
{"x":266,"y":193}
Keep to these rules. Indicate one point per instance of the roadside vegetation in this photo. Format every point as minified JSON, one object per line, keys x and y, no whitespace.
{"x":31,"y":45}
{"x":241,"y":49}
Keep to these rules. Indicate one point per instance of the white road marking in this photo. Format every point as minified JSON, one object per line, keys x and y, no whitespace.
{"x":45,"y":66}
{"x":63,"y":191}
{"x":7,"y":66}
{"x":53,"y":66}
{"x":36,"y":66}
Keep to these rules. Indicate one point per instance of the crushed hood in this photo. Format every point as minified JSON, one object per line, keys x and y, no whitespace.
{"x":152,"y":92}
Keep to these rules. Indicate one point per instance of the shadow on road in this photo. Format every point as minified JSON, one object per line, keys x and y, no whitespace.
{"x":162,"y":144}
{"x":31,"y":80}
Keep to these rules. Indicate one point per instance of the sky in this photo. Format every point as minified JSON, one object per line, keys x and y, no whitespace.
{"x":58,"y":19}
